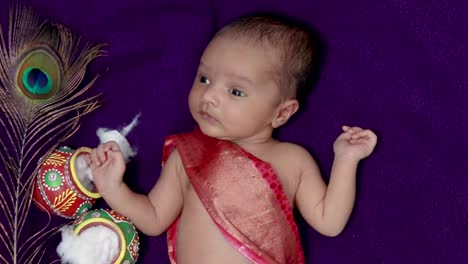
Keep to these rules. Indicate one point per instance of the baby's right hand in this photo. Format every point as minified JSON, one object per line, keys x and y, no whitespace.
{"x":107,"y":165}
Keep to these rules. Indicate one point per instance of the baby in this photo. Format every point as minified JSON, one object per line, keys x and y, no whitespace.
{"x":227,"y":190}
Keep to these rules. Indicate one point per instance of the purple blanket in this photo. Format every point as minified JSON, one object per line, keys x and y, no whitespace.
{"x":398,"y":67}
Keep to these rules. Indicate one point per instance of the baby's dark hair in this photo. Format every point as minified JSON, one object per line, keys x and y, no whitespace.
{"x":294,"y":40}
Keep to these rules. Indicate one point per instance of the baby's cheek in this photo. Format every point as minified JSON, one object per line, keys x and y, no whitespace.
{"x":191,"y":100}
{"x":236,"y":115}
{"x":195,"y":93}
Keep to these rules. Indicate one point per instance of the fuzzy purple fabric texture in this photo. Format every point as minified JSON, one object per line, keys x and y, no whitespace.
{"x":398,"y":67}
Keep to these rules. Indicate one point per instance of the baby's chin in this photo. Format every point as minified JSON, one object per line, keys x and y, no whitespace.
{"x":211,"y":131}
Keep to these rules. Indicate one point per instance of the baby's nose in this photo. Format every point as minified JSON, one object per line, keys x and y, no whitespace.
{"x":211,"y":96}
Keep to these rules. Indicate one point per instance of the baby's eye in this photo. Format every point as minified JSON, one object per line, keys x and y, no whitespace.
{"x":237,"y":92}
{"x":204,"y":80}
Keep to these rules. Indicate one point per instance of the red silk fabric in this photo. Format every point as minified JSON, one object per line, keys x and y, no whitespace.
{"x":243,"y":196}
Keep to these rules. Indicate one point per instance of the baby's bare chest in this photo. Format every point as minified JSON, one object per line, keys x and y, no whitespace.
{"x":199,"y":240}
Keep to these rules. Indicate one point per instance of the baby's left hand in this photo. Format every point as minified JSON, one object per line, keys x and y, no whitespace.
{"x":355,"y":143}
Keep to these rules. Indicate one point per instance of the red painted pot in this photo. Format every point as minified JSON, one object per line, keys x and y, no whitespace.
{"x":58,"y":189}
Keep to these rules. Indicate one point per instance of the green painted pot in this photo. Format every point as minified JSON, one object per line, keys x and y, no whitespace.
{"x":129,"y":241}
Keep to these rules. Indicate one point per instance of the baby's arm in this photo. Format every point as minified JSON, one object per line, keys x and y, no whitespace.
{"x":328,"y":208}
{"x":153,"y":213}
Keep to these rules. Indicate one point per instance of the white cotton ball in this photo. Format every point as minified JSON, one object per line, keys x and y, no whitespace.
{"x":106,"y":135}
{"x":97,"y":245}
{"x":84,"y":173}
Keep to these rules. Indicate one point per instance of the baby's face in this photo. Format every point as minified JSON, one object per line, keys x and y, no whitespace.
{"x":234,"y":95}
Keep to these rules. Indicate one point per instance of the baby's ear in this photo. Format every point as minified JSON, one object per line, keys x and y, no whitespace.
{"x":285,"y":110}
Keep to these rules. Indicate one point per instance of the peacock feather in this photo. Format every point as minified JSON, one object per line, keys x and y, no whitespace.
{"x":42,"y":101}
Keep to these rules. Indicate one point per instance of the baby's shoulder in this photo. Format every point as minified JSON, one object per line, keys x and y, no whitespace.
{"x":174,"y":161}
{"x":290,"y":152}
{"x":289,"y":161}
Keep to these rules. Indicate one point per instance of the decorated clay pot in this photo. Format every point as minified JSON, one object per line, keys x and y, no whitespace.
{"x":59,"y":188}
{"x":129,"y":242}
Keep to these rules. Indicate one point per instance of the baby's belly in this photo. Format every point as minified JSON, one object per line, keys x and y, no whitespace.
{"x":198,"y":238}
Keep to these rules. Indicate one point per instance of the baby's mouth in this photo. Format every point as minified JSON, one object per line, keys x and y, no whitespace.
{"x":207,"y":117}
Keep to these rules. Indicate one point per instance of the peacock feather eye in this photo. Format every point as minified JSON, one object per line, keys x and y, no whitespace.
{"x":39,"y":74}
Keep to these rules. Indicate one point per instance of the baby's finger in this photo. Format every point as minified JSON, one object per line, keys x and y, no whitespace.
{"x":113,"y":146}
{"x":92,"y":166}
{"x":86,"y":158}
{"x":110,"y":145}
{"x":101,"y":153}
{"x":355,"y":129}
{"x":116,"y":156}
{"x":345,"y":128}
{"x":360,"y":134}
{"x":345,"y":135}
{"x":351,"y":130}
{"x":368,"y":134}
{"x":94,"y":158}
